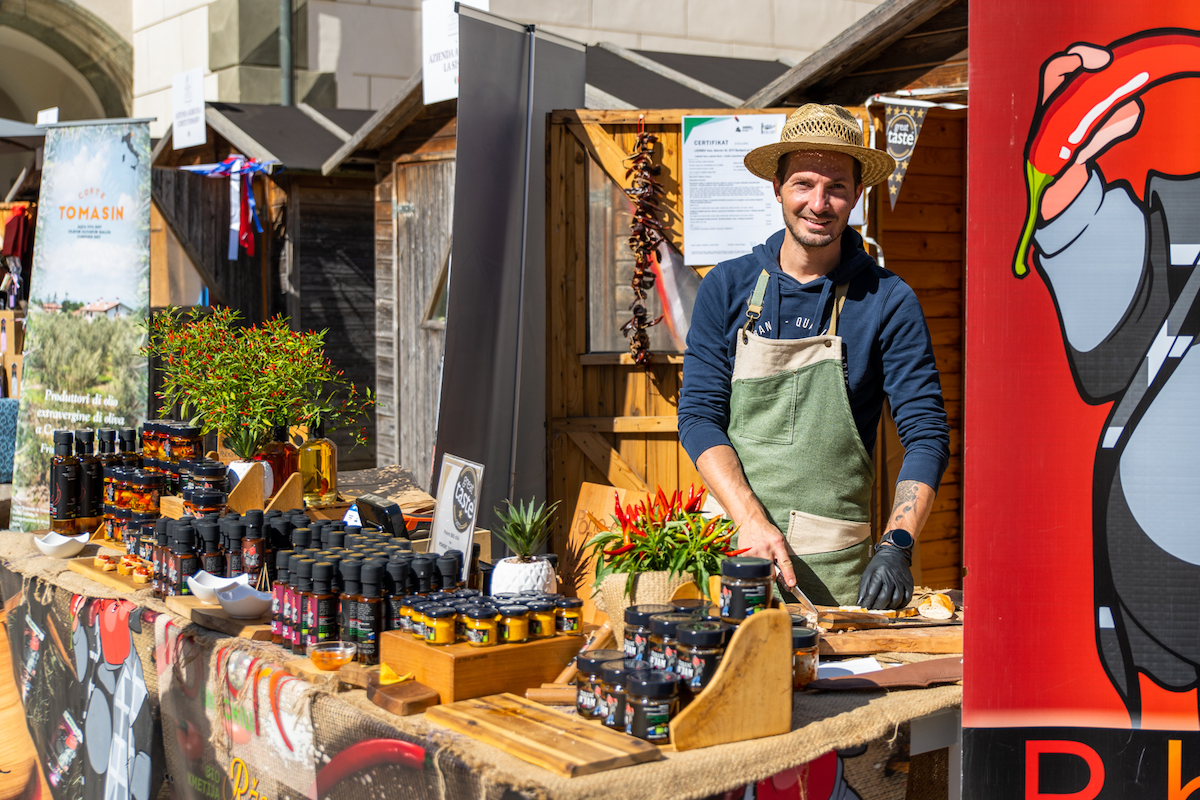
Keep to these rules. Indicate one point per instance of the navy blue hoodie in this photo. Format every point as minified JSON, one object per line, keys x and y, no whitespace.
{"x":888,"y":350}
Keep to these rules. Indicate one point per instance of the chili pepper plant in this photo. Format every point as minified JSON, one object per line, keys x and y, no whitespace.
{"x":241,"y":381}
{"x":663,"y":533}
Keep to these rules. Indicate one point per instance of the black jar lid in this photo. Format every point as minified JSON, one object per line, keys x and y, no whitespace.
{"x":665,"y":624}
{"x":746,"y":567}
{"x":141,"y":477}
{"x":654,"y":683}
{"x":118,"y":512}
{"x":480,"y":612}
{"x":142,"y":519}
{"x":506,"y":596}
{"x":805,"y":637}
{"x":703,"y":633}
{"x":441,"y":612}
{"x":117,"y":473}
{"x":439,"y":597}
{"x":568,"y":602}
{"x":639,"y":616}
{"x":799,"y":621}
{"x":208,"y":469}
{"x":409,"y":600}
{"x":468,"y":593}
{"x":185,"y":431}
{"x":614,"y":672}
{"x":208,"y":499}
{"x":691,"y":605}
{"x":590,"y":663}
{"x":540,"y":605}
{"x":514,"y":610}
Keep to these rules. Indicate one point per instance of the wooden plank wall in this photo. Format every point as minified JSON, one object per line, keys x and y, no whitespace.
{"x":924,"y":241}
{"x":333,"y":246}
{"x":387,"y":448}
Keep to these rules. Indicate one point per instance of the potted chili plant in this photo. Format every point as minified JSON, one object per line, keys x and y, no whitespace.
{"x":654,"y":547}
{"x":523,"y":529}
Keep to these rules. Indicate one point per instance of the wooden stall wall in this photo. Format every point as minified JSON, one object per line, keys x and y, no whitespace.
{"x":611,"y":423}
{"x":924,"y":242}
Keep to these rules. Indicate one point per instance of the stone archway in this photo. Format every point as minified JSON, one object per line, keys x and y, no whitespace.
{"x":87,"y":43}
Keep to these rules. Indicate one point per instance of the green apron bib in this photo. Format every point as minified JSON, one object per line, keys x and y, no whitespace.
{"x":791,"y":425}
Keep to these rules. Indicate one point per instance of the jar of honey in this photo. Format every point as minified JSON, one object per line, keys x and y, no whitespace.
{"x":145,"y":490}
{"x":482,"y":628}
{"x":439,"y":625}
{"x":568,"y":613}
{"x":541,"y":619}
{"x":514,"y":624}
{"x":182,"y":441}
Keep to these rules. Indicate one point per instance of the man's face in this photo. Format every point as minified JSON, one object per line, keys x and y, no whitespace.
{"x":817,"y":192}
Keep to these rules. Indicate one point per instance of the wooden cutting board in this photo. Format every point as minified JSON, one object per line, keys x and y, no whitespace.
{"x":561,"y":743}
{"x":943,"y":639}
{"x":114,"y":580}
{"x":216,"y":618}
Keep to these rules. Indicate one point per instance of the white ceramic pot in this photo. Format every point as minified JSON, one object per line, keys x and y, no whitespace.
{"x":242,"y":602}
{"x":56,"y":545}
{"x":510,"y":575}
{"x":238,"y":470}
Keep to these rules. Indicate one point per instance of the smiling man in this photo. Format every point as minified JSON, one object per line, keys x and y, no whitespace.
{"x":792,"y":350}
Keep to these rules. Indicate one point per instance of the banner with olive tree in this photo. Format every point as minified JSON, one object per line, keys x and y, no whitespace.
{"x":88,"y":299}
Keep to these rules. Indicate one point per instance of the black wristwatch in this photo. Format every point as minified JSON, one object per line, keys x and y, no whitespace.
{"x":898,"y":537}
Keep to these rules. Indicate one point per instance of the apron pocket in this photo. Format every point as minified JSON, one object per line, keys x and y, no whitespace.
{"x":808,"y":534}
{"x":765,"y":408}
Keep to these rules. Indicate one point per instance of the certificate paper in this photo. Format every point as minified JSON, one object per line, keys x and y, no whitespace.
{"x":726,"y":209}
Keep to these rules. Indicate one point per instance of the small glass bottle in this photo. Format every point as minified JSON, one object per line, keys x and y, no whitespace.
{"x":64,"y":484}
{"x":317,"y":462}
{"x":212,"y":560}
{"x":440,"y":625}
{"x":745,"y":587}
{"x":613,"y":675}
{"x":323,"y":602}
{"x":348,"y":602}
{"x":281,"y":454}
{"x":422,"y":571}
{"x":302,"y":589}
{"x":663,"y":646}
{"x":637,"y":630}
{"x":701,"y":646}
{"x":234,"y":565}
{"x":278,"y":590}
{"x":397,"y":571}
{"x":651,"y":702}
{"x":370,"y":614}
{"x":289,"y":600}
{"x":568,"y":613}
{"x":541,"y":619}
{"x":106,"y":439}
{"x":805,"y":660}
{"x":589,"y":686}
{"x":158,"y":558}
{"x":514,"y":624}
{"x":254,"y":550}
{"x":482,"y":627}
{"x":91,"y":482}
{"x":183,"y":563}
{"x":130,"y":457}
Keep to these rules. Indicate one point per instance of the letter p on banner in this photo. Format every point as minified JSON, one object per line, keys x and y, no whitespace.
{"x":1034,"y":748}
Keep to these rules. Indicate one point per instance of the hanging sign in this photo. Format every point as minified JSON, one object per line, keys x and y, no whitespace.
{"x":727,"y":210}
{"x":904,"y":122}
{"x":457,"y":508}
{"x":439,"y":48}
{"x":188,"y":128}
{"x":88,"y":298}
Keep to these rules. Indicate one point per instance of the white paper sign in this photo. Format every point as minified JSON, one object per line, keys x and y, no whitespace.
{"x":439,"y":48}
{"x":457,"y":508}
{"x":187,"y":109}
{"x":726,"y":209}
{"x":47,"y":116}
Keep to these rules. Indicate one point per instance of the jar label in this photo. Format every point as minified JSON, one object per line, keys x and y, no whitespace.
{"x":566,"y":624}
{"x":393,"y":614}
{"x":215,"y":564}
{"x":637,"y":645}
{"x":658,"y":659}
{"x":695,"y":671}
{"x":614,"y":710}
{"x":739,"y":602}
{"x":251,"y":556}
{"x":585,"y":700}
{"x":326,"y":618}
{"x":478,"y":635}
{"x":649,"y":721}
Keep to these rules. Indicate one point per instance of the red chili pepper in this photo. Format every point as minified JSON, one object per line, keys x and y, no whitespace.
{"x":619,"y":550}
{"x":1087,"y":101}
{"x":362,"y":756}
{"x":737,"y":552}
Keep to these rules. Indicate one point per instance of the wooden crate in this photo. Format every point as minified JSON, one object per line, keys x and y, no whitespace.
{"x":461,"y":671}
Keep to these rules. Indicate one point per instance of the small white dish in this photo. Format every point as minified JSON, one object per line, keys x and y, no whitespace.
{"x":205,"y":585}
{"x":56,"y":545}
{"x":242,"y":602}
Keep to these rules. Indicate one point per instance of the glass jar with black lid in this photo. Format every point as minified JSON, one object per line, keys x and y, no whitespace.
{"x":663,"y":649}
{"x":745,"y":587}
{"x":637,"y":630}
{"x":700,"y":646}
{"x":613,"y":675}
{"x":589,"y":693}
{"x":651,"y":702}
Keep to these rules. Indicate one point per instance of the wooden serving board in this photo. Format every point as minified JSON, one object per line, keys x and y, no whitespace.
{"x":114,"y":580}
{"x":561,"y":743}
{"x":941,"y":639}
{"x":216,"y":618}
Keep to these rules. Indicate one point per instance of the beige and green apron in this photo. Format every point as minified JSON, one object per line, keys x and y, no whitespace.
{"x":791,"y":425}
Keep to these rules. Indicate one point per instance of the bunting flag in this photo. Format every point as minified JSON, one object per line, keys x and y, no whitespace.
{"x":242,"y":209}
{"x":903,"y":120}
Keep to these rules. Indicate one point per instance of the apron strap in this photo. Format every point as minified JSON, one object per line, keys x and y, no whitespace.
{"x":839,"y":300}
{"x":754,"y":305}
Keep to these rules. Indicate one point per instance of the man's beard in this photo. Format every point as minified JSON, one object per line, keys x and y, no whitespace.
{"x":795,"y":227}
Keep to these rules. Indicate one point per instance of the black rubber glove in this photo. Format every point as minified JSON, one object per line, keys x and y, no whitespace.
{"x":887,"y":581}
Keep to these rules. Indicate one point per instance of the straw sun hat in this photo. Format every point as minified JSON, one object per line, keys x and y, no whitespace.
{"x":818,"y":127}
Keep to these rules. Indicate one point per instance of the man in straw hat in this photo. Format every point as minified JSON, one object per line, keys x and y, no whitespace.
{"x":792,"y":350}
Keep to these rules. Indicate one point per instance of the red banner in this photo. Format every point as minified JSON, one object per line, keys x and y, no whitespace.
{"x":1082,"y":438}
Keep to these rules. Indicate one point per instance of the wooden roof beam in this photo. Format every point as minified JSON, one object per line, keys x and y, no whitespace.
{"x":405,"y":106}
{"x":855,"y":46}
{"x":683,"y":79}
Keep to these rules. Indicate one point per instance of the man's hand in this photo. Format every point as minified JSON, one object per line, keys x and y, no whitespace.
{"x":722,"y":472}
{"x":887,"y":581}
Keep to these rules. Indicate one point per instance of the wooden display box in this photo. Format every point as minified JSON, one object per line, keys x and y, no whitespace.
{"x":461,"y":671}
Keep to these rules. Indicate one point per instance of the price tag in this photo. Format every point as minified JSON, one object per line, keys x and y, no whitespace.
{"x":457,"y":508}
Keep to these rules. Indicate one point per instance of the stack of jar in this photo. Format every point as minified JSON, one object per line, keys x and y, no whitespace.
{"x":466,"y":615}
{"x":77,"y":477}
{"x":166,"y":444}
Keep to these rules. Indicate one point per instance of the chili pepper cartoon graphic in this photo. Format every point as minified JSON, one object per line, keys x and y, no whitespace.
{"x":1063,"y":126}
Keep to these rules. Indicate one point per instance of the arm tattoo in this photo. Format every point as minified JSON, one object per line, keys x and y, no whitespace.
{"x":906,"y":500}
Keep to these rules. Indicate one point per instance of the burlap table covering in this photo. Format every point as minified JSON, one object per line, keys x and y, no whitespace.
{"x":821,"y":721}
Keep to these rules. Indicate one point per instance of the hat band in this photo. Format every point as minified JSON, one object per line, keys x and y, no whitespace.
{"x":822,"y":140}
